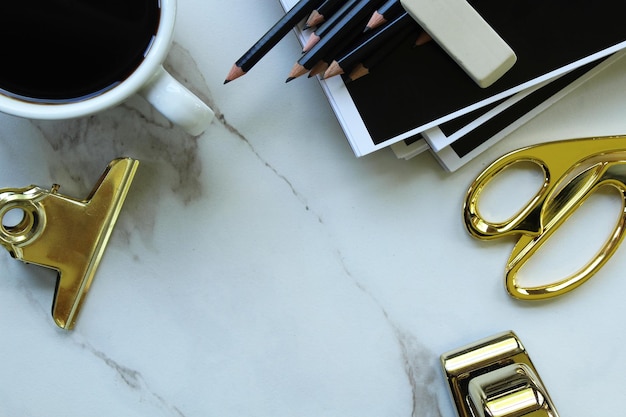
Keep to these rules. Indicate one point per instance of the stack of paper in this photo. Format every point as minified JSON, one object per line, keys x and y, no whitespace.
{"x":419,"y":99}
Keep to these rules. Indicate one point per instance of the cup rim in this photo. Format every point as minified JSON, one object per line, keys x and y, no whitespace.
{"x":140,"y":76}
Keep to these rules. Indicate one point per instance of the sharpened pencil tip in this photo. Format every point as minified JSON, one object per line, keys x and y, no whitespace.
{"x":289,"y":79}
{"x":315,"y":18}
{"x":422,"y":39}
{"x":296,"y":72}
{"x":310,"y":43}
{"x":234,"y":73}
{"x":333,"y":69}
{"x":375,"y":21}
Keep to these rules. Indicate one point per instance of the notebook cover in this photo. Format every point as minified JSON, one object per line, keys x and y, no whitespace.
{"x":419,"y":88}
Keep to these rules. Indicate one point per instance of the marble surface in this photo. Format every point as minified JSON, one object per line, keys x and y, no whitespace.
{"x":262,"y":270}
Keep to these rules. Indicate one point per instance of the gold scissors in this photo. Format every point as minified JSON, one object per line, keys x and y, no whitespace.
{"x":573,"y":170}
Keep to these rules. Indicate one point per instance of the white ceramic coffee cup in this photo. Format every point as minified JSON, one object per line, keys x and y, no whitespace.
{"x":149,"y":79}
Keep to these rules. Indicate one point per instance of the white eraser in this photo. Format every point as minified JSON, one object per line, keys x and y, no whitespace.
{"x":465,"y":36}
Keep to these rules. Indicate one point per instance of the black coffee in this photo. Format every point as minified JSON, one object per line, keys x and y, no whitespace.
{"x":56,"y":51}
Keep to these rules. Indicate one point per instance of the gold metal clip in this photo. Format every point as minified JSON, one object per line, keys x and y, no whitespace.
{"x":495,"y":377}
{"x":62,"y":233}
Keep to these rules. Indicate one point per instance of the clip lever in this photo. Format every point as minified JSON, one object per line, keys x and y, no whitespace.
{"x":495,"y":377}
{"x":62,"y":233}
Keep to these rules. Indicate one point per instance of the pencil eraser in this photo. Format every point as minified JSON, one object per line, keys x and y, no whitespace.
{"x":465,"y":36}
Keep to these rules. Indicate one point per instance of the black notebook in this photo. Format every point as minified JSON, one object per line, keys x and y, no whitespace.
{"x":416,"y":89}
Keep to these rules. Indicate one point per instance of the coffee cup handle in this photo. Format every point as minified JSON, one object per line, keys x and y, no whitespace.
{"x":177,"y":103}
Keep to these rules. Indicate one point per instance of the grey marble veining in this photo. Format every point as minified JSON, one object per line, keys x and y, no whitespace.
{"x":260,"y":269}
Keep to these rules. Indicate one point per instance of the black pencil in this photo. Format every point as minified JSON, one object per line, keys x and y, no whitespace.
{"x":328,"y":25}
{"x":322,"y":13}
{"x":385,"y":12}
{"x":337,"y":49}
{"x":403,"y":24}
{"x":298,"y":12}
{"x":343,"y":31}
{"x":369,"y":62}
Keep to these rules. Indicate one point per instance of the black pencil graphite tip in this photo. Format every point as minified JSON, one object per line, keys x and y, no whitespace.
{"x":320,"y":32}
{"x":387,"y":11}
{"x":283,"y":26}
{"x":375,"y":40}
{"x":319,"y":15}
{"x":341,"y":32}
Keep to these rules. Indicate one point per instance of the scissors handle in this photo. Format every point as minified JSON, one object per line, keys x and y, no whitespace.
{"x":555,"y":159}
{"x":526,"y":219}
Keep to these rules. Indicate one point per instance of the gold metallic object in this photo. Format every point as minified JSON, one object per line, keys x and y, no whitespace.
{"x":65,"y":234}
{"x":573,"y":170}
{"x":495,"y":377}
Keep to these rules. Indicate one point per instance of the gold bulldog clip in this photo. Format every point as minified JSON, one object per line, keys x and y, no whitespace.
{"x":65,"y":234}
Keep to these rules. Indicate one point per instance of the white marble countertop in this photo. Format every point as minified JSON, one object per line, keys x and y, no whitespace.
{"x":263,"y":270}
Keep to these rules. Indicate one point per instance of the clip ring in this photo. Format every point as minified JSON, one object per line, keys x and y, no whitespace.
{"x":66,"y":234}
